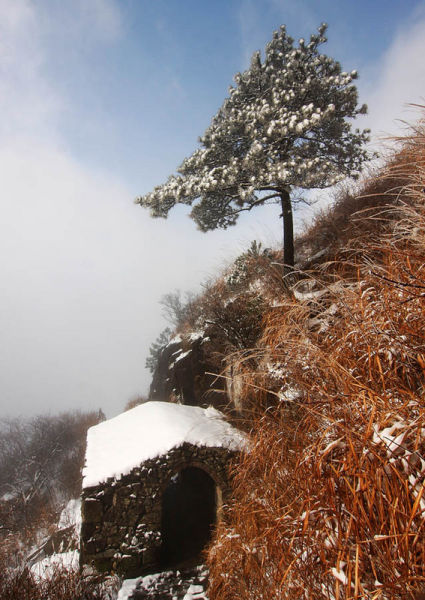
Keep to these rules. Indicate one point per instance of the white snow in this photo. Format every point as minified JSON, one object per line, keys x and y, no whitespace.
{"x":46,"y":568}
{"x":196,"y":335}
{"x":340,"y":575}
{"x":391,"y":441}
{"x":183,"y":355}
{"x":290,"y":394}
{"x":149,"y":584}
{"x":195,"y":592}
{"x":149,"y":430}
{"x":309,"y":295}
{"x":177,"y":339}
{"x":7,"y":496}
{"x":127,"y":588}
{"x":71,"y":515}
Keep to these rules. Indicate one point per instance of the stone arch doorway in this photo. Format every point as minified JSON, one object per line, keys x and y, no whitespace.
{"x":189,"y":513}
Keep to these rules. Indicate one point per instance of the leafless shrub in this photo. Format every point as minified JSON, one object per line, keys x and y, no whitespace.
{"x":40,"y":467}
{"x":61,"y":584}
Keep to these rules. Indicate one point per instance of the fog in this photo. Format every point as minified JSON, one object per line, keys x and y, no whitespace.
{"x":82,"y":267}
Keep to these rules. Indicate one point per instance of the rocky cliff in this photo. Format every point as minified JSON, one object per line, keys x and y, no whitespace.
{"x":188,"y":372}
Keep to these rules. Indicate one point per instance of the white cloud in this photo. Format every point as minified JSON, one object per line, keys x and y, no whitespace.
{"x":397,"y":81}
{"x":82,"y":272}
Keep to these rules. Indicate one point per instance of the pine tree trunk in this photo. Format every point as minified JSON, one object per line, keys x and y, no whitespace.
{"x":288,"y":229}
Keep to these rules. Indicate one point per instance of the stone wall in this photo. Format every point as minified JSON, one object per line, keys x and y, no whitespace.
{"x":121,"y":528}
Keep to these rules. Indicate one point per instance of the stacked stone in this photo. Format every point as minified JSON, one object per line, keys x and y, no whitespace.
{"x":121,"y":518}
{"x":186,"y":582}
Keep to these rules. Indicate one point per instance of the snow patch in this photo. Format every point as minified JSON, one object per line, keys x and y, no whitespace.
{"x":183,"y":355}
{"x":46,"y":568}
{"x":127,"y":588}
{"x":304,"y":296}
{"x":340,"y":575}
{"x":177,"y":339}
{"x":196,"y":335}
{"x":71,"y":515}
{"x":195,"y":592}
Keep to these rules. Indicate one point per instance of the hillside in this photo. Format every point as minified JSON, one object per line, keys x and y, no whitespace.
{"x":325,"y":369}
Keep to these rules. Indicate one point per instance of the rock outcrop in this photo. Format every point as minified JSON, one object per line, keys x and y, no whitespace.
{"x":189,"y":372}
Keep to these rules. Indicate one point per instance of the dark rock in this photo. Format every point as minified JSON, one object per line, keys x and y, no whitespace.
{"x":187,"y":373}
{"x":92,"y":510}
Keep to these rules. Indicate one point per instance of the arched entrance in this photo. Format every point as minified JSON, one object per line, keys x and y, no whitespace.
{"x":189,"y":513}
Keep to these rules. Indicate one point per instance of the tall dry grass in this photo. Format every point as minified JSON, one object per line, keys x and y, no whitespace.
{"x":330,"y":499}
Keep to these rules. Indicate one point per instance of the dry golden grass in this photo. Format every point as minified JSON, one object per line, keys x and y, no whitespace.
{"x":330,"y":500}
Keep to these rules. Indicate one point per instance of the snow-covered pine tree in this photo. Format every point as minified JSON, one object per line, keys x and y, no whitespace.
{"x":283,"y":126}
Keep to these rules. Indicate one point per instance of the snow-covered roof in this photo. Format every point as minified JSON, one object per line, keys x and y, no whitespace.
{"x":149,"y":430}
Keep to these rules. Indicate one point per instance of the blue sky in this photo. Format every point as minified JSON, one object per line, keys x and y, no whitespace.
{"x":100,"y":101}
{"x":146,"y":80}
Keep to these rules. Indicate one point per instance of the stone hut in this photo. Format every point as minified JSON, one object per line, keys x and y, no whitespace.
{"x":154,"y":481}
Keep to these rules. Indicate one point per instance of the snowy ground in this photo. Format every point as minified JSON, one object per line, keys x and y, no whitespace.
{"x":183,"y":584}
{"x":45,"y":568}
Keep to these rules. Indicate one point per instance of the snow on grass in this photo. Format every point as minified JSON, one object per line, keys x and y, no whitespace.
{"x":46,"y":568}
{"x":116,"y":446}
{"x":340,"y":575}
